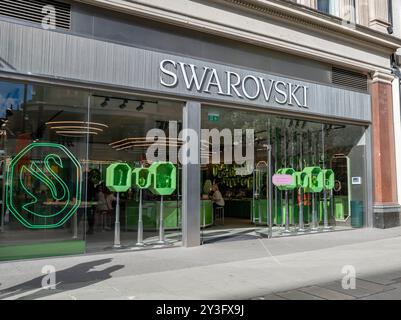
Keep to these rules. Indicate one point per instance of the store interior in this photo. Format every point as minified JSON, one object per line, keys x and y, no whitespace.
{"x":295,"y":144}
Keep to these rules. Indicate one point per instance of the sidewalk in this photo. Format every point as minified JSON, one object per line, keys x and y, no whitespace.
{"x":245,"y":267}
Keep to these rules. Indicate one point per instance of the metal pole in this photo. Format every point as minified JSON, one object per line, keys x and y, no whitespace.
{"x":287,"y":209}
{"x":75,"y":225}
{"x":140,"y":222}
{"x":314,"y":213}
{"x":270,"y":186}
{"x":117,"y":243}
{"x":326,"y":226}
{"x":161,"y":223}
{"x":301,"y":228}
{"x":314,"y":227}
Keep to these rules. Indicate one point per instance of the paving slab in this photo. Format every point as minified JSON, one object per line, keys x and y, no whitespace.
{"x":297,"y":295}
{"x":362,"y":288}
{"x":325,"y":293}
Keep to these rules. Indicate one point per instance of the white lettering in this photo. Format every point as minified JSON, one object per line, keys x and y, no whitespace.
{"x":265,"y":93}
{"x":169,"y":73}
{"x":233,"y":85}
{"x":214,"y":76}
{"x":194,"y":76}
{"x":245,"y":91}
{"x":293,"y":90}
{"x":281,"y":92}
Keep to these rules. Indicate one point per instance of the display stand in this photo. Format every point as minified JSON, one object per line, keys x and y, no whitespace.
{"x":164,"y":182}
{"x":75,"y":225}
{"x":162,"y":239}
{"x":301,"y":183}
{"x":139,"y":241}
{"x":117,"y":241}
{"x":118,"y":179}
{"x":328,"y":185}
{"x":142,"y":180}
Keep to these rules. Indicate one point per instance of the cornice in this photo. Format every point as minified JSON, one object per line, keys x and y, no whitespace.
{"x":382,"y":77}
{"x":309,"y":19}
{"x":294,"y":13}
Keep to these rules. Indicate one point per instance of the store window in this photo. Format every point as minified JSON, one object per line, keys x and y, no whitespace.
{"x":333,"y":155}
{"x":56,"y":145}
{"x":129,"y":120}
{"x":43,"y":199}
{"x":328,"y":6}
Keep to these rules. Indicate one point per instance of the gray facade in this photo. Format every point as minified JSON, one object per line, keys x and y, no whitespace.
{"x":31,"y":51}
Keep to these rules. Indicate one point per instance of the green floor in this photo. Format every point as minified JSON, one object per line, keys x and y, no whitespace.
{"x":38,"y":250}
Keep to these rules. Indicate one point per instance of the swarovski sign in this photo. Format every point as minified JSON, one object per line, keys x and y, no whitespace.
{"x":209,"y":80}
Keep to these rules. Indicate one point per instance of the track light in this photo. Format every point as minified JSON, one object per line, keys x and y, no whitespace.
{"x":140,"y":107}
{"x":105,"y":103}
{"x":124,"y":104}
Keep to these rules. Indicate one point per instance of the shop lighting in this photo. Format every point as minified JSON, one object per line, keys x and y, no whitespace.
{"x":76,"y":132}
{"x":141,"y":106}
{"x":76,"y":128}
{"x":105,"y":103}
{"x":124,"y":104}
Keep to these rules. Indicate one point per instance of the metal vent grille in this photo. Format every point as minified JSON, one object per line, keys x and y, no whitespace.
{"x":349,"y":79}
{"x":36,"y":11}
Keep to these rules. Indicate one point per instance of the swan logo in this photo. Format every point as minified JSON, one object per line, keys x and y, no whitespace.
{"x":38,"y":194}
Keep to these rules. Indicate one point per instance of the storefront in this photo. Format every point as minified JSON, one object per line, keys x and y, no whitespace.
{"x":69,"y":115}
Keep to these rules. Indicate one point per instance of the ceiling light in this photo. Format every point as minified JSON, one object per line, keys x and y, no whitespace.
{"x":140,"y":107}
{"x":105,"y":103}
{"x":124,"y":104}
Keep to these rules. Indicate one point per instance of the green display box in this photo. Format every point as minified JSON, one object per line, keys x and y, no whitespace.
{"x":142,"y":178}
{"x":315,"y":179}
{"x":164,"y":179}
{"x":302,"y":179}
{"x":328,"y":175}
{"x":291,"y":172}
{"x":118,"y":177}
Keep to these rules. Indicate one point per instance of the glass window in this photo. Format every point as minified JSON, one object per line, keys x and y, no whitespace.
{"x":43,"y":203}
{"x":296,"y":146}
{"x":126,"y":122}
{"x":56,"y":144}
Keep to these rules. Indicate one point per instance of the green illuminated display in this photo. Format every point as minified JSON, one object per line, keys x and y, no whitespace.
{"x":142,"y":178}
{"x":291,"y":172}
{"x":311,"y":179}
{"x":160,"y":178}
{"x":25,"y":175}
{"x":164,"y":178}
{"x":118,"y":177}
{"x":328,"y":176}
{"x":315,"y":179}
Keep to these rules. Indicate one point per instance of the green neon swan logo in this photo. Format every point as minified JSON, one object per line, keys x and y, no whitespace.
{"x":38,"y":174}
{"x":23,"y":178}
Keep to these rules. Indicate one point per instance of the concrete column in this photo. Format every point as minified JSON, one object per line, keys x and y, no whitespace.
{"x":191,"y":181}
{"x":385,"y":201}
{"x":362,"y":12}
{"x":347,"y":10}
{"x":378,"y":15}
